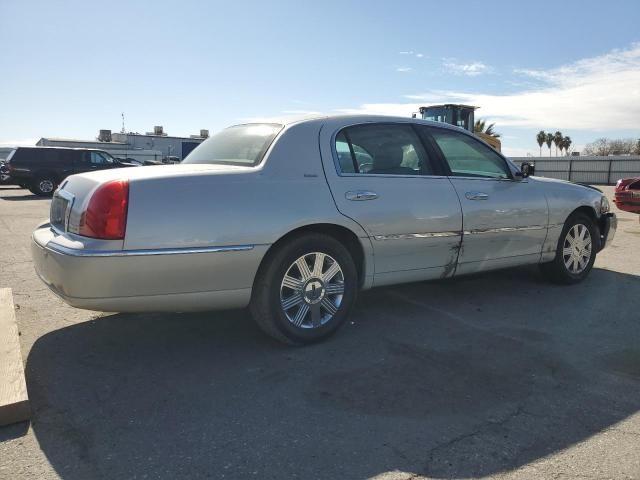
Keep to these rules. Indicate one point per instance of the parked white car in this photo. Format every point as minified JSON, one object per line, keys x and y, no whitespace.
{"x":294,"y":218}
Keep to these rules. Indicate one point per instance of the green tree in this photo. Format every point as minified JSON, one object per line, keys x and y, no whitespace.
{"x":566,"y":143}
{"x":481,"y":127}
{"x":549,"y":140}
{"x":541,"y":138}
{"x":557,"y":140}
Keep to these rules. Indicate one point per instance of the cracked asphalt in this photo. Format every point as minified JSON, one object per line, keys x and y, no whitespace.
{"x":499,"y":375}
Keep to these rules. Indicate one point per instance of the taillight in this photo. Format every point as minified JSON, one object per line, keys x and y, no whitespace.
{"x":106,"y":214}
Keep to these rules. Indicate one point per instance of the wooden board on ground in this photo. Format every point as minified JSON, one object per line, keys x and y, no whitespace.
{"x":14,"y":402}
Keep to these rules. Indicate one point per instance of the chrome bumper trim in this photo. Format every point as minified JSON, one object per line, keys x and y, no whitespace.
{"x":75,"y":252}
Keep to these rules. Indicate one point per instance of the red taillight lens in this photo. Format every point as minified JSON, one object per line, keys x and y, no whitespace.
{"x":106,"y":214}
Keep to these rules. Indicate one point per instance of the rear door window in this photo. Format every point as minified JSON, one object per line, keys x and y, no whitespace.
{"x":49,"y":156}
{"x":382,"y":149}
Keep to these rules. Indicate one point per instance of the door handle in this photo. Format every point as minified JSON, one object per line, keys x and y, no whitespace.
{"x":476,"y":196}
{"x":360,"y":195}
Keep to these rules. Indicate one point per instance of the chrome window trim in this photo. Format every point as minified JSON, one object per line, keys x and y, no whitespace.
{"x":388,"y":175}
{"x":490,"y":179}
{"x":76,"y":252}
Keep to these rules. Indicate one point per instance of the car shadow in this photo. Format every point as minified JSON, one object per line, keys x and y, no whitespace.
{"x":19,"y":198}
{"x":460,"y":378}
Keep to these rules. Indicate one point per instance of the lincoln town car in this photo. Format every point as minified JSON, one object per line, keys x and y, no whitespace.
{"x":294,"y":218}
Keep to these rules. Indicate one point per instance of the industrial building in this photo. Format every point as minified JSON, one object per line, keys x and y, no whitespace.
{"x":155,"y":145}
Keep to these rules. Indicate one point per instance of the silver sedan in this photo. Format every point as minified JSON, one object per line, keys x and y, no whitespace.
{"x":294,"y":218}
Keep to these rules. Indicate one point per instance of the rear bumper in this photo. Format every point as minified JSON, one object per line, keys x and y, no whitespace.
{"x":608,"y":226}
{"x":146,"y":280}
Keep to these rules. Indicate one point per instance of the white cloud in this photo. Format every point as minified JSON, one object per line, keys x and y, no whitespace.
{"x":419,"y":55}
{"x":395,"y":109}
{"x":599,"y":93}
{"x":406,"y":52}
{"x":472,"y":69}
{"x":404,"y":69}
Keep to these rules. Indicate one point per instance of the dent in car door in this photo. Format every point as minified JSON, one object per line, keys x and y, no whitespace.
{"x":504,"y":220}
{"x":414,"y":220}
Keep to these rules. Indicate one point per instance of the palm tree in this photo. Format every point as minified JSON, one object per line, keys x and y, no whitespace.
{"x":566,"y":143}
{"x":557,"y":140}
{"x":549,"y":140}
{"x":541,"y":138}
{"x":481,"y":127}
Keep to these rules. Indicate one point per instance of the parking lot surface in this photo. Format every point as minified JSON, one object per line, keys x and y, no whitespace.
{"x":498,"y":375}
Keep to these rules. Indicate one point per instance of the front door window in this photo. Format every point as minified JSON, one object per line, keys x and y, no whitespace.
{"x":468,"y":157}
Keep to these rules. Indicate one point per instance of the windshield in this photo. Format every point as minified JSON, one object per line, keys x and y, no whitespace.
{"x":243,"y":145}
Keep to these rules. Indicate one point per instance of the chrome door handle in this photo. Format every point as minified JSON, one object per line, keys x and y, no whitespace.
{"x":476,"y":196}
{"x":360,"y":195}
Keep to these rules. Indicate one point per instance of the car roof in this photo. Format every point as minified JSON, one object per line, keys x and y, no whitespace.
{"x":348,"y":119}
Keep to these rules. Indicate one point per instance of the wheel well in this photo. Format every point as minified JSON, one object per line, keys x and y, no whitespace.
{"x":591,"y":213}
{"x":46,"y":174}
{"x":342,"y":234}
{"x":588,"y":211}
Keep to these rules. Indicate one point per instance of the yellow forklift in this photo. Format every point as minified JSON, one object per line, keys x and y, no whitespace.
{"x":458,"y":115}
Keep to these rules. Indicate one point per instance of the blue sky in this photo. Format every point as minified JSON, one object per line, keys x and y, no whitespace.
{"x":69,"y":68}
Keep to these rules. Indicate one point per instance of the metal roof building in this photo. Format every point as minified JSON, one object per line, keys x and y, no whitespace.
{"x":154,"y":145}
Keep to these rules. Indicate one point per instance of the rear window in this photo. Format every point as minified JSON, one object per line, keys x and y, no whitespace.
{"x":243,"y":145}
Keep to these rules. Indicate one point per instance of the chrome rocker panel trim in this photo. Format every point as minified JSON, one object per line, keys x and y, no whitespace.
{"x":75,"y":252}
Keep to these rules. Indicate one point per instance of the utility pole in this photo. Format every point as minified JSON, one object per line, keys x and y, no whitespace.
{"x":123,"y":130}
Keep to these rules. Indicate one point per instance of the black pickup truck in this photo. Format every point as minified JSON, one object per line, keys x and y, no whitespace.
{"x":41,"y":169}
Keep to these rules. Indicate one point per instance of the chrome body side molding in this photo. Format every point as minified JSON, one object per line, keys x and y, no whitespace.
{"x":75,"y":252}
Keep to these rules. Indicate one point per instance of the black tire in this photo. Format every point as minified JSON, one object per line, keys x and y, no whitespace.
{"x":44,"y":186}
{"x":266,"y":307}
{"x":557,"y":271}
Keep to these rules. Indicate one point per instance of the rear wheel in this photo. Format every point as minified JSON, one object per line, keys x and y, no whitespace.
{"x":575,"y":252}
{"x":305,"y":289}
{"x":44,"y":187}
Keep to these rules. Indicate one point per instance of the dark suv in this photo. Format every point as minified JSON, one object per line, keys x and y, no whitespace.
{"x":41,"y":169}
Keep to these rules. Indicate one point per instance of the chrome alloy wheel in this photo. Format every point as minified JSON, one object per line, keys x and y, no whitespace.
{"x":312,"y":290}
{"x":45,"y":186}
{"x":577,"y":249}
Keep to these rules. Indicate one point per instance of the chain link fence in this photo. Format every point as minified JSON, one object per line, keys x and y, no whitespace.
{"x":592,"y":170}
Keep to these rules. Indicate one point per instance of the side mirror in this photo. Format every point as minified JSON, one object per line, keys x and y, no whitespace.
{"x":527,"y":169}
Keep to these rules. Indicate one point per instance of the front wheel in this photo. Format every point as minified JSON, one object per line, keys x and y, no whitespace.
{"x":575,"y":252}
{"x":305,"y":289}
